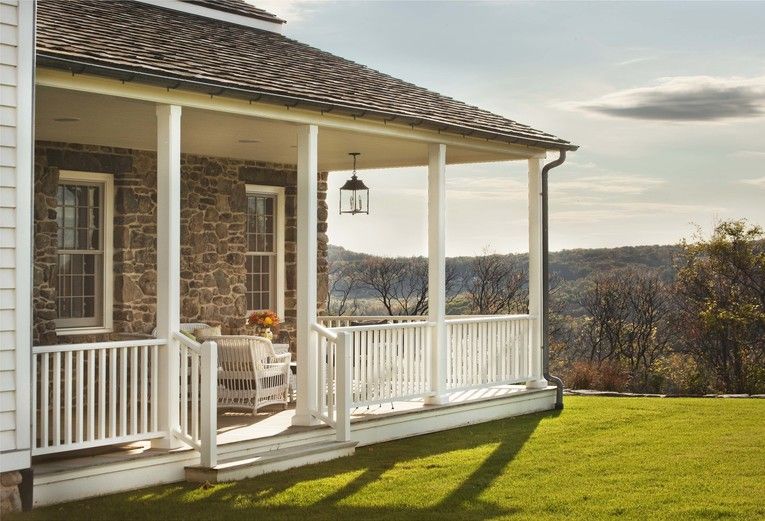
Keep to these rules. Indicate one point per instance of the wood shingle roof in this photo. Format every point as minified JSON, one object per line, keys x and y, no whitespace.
{"x":145,"y":41}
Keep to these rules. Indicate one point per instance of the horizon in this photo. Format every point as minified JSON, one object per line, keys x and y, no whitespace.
{"x":667,"y":102}
{"x":510,"y":253}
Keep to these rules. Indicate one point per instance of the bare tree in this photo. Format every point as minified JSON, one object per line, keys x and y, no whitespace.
{"x":628,"y":322}
{"x":343,"y":283}
{"x":401,"y":284}
{"x":496,"y":285}
{"x":382,"y":275}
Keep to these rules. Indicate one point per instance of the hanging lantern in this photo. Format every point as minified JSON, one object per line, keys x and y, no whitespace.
{"x":354,"y":194}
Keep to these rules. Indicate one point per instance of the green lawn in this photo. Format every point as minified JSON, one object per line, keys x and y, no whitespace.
{"x":632,"y":458}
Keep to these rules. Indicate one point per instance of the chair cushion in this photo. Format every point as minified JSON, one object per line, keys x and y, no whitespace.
{"x":205,"y":332}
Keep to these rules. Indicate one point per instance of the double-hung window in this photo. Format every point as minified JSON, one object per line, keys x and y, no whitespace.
{"x":264,"y":235}
{"x":84,"y":254}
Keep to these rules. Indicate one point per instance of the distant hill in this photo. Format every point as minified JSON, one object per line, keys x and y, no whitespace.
{"x":571,"y":265}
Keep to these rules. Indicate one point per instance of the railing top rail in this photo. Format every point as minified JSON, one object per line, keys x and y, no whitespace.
{"x":418,"y":318}
{"x":380,"y":327}
{"x":489,"y":318}
{"x":63,"y":348}
{"x":370,"y":317}
{"x":186,"y":341}
{"x":329,"y":333}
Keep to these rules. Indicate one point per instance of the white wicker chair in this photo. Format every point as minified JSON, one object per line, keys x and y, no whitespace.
{"x":250,"y":374}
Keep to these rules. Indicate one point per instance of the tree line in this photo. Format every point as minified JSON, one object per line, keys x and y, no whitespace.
{"x":688,"y":319}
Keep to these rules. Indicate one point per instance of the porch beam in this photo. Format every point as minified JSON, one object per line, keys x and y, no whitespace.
{"x":97,"y":85}
{"x":168,"y":266}
{"x":307,"y":222}
{"x":437,"y":271}
{"x":536,"y":286}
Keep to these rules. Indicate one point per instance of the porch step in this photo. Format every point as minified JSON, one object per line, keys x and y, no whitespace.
{"x":267,"y":461}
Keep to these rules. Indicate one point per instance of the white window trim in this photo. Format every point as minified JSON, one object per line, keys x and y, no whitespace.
{"x":107,"y":181}
{"x":280,"y":233}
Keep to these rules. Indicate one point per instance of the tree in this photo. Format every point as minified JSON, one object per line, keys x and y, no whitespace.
{"x":495,"y":284}
{"x":627,"y":323}
{"x":721,"y":290}
{"x":343,"y":282}
{"x":401,"y":284}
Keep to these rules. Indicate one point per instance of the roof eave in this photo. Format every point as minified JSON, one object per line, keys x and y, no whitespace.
{"x":253,"y":95}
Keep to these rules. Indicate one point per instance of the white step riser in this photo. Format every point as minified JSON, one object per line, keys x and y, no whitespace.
{"x":251,"y":471}
{"x":246,"y":448}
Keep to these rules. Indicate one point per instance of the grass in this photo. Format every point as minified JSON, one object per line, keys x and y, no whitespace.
{"x":632,"y":458}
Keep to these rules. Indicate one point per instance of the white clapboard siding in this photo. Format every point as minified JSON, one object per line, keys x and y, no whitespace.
{"x":16,"y":80}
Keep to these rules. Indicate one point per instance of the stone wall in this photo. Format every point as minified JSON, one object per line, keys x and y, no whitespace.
{"x":213,"y":204}
{"x":10,"y":498}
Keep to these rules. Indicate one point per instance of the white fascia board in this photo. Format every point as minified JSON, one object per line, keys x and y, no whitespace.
{"x":256,"y":23}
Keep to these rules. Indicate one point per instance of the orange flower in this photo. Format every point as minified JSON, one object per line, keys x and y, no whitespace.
{"x":263,"y":319}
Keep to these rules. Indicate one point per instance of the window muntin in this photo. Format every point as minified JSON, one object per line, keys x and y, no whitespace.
{"x":261,"y":257}
{"x":82,"y":252}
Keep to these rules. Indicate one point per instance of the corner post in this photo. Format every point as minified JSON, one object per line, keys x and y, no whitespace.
{"x":307,"y":222}
{"x":536,"y":284}
{"x":344,"y":399}
{"x":168,"y":267}
{"x":209,"y":405}
{"x":437,"y":271}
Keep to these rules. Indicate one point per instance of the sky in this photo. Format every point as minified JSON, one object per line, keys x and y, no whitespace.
{"x":666,"y":100}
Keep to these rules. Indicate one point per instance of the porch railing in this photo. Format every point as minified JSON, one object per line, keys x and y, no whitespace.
{"x":390,"y":361}
{"x":332,"y":321}
{"x":333,"y":402}
{"x":88,"y":395}
{"x":198,"y":397}
{"x":488,"y":351}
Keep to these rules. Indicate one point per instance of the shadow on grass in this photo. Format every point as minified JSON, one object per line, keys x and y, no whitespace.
{"x":268,"y":497}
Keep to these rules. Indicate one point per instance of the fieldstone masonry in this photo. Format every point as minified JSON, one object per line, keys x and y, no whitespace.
{"x":10,"y":499}
{"x":213,"y":205}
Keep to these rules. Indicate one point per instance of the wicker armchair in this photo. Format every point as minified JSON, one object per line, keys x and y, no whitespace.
{"x":250,"y":374}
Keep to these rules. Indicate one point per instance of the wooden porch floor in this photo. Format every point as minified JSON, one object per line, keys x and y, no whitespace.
{"x":236,"y":426}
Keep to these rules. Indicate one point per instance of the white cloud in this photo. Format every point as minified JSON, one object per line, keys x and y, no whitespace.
{"x":608,"y":212}
{"x":607,"y":184}
{"x":749,"y":153}
{"x":684,"y":98}
{"x":635,"y":60}
{"x":758,"y":182}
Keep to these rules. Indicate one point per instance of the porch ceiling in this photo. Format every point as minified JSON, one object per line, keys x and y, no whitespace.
{"x":121,"y":122}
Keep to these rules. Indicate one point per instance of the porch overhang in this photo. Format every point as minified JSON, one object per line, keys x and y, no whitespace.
{"x":384,"y":143}
{"x":290,"y":102}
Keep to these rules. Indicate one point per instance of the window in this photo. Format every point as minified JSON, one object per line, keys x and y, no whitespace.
{"x":264,"y":236}
{"x":84,"y":254}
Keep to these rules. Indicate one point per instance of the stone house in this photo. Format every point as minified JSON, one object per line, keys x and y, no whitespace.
{"x":165,"y":162}
{"x":214,"y":213}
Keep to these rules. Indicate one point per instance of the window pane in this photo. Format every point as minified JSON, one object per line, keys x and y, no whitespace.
{"x":77,"y":307}
{"x":260,"y":237}
{"x":89,"y":307}
{"x":79,"y":219}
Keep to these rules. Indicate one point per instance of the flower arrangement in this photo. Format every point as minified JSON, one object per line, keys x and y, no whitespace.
{"x":264,"y":321}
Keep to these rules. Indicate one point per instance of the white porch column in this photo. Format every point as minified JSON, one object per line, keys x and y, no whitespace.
{"x":307,"y":208}
{"x":437,"y":271}
{"x":535,"y":272}
{"x":168,"y":265}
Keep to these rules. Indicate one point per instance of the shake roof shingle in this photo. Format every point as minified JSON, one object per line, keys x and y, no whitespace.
{"x":144,"y":39}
